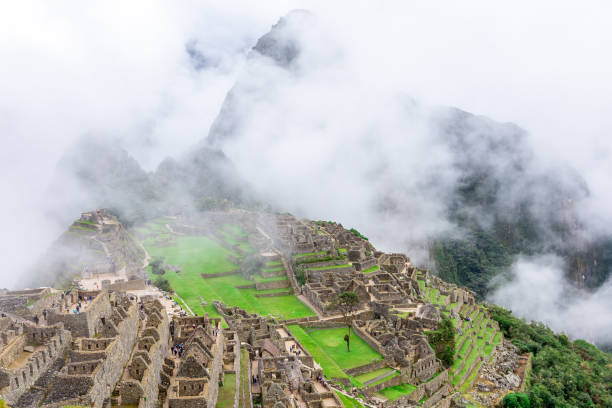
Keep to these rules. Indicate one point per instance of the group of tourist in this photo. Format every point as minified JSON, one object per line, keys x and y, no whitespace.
{"x":79,"y":305}
{"x":322,"y":381}
{"x":177,"y":350}
{"x":295,"y":350}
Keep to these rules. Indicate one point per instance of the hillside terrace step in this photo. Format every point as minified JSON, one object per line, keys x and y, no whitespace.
{"x":380,"y":377}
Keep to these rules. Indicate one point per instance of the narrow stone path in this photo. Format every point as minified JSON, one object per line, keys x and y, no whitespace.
{"x":173,"y":231}
{"x":184,"y":303}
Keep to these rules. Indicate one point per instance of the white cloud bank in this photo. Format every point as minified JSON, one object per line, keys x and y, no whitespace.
{"x":537,"y":291}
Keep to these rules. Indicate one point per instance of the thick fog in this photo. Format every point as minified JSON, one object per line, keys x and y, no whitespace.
{"x":328,"y":138}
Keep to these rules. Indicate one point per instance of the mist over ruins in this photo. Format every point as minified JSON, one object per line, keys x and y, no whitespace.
{"x":305,"y":205}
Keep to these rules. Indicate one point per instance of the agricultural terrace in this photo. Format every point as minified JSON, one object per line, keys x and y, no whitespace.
{"x":474,"y":346}
{"x":201,"y":255}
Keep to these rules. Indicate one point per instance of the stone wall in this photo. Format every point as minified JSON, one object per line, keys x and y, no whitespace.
{"x":392,"y":382}
{"x":333,"y":262}
{"x":217,"y":368}
{"x":469,"y":371}
{"x":373,"y":366}
{"x":104,"y":378}
{"x":217,"y":275}
{"x":237,"y":363}
{"x":85,"y":323}
{"x":365,"y":264}
{"x":12,"y":350}
{"x":272,"y":285}
{"x":144,"y":391}
{"x":20,"y":379}
{"x":276,"y":294}
{"x":134,"y":284}
{"x":443,"y":392}
{"x":347,"y":269}
{"x":372,"y":342}
{"x":436,"y":383}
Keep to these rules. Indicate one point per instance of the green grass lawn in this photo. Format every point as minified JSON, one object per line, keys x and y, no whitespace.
{"x":322,"y":268}
{"x":433,"y":296}
{"x":273,"y":263}
{"x":373,"y":374}
{"x":230,"y":239}
{"x":395,"y":374}
{"x":372,"y":269}
{"x":244,"y":380}
{"x":259,"y":278}
{"x":348,"y":401}
{"x":227,"y":393}
{"x":273,"y":268}
{"x":234,"y":229}
{"x":468,"y":382}
{"x":328,"y":348}
{"x":309,"y":254}
{"x":398,"y":391}
{"x":196,"y":255}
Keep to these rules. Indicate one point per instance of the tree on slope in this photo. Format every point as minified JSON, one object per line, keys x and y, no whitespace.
{"x":346,"y":303}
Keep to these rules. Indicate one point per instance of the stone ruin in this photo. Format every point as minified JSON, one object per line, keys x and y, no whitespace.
{"x":27,"y":353}
{"x":192,"y":379}
{"x":282,"y":378}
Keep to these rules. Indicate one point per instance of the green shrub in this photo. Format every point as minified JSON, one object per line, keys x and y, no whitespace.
{"x":251,"y":265}
{"x":300,"y":275}
{"x":157,"y":266}
{"x":516,"y":400}
{"x":358,"y":234}
{"x":443,"y":341}
{"x":307,"y":260}
{"x":564,"y":373}
{"x":163,"y":284}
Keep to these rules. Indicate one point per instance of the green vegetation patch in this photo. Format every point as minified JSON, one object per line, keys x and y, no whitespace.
{"x":227,"y":393}
{"x":373,"y":374}
{"x":322,"y":268}
{"x":372,"y":269}
{"x":347,"y":401}
{"x":273,"y":269}
{"x":328,"y":348}
{"x":564,"y":373}
{"x":309,"y":254}
{"x":398,"y":391}
{"x":259,"y":278}
{"x":196,"y":255}
{"x":244,"y":380}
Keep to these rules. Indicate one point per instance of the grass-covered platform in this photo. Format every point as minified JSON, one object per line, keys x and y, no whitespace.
{"x":328,"y":348}
{"x":202,"y":255}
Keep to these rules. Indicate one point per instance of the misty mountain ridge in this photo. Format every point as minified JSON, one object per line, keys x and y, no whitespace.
{"x":104,"y":175}
{"x":501,"y":200}
{"x":464,"y":195}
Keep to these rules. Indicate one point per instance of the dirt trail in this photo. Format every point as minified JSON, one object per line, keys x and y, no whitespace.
{"x":184,"y":303}
{"x":104,"y":247}
{"x":173,"y":231}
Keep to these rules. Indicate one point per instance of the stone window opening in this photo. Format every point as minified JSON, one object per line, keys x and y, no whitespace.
{"x":24,"y":376}
{"x":89,"y":347}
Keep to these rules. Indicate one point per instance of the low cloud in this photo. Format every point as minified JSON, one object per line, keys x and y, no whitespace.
{"x":536,"y":290}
